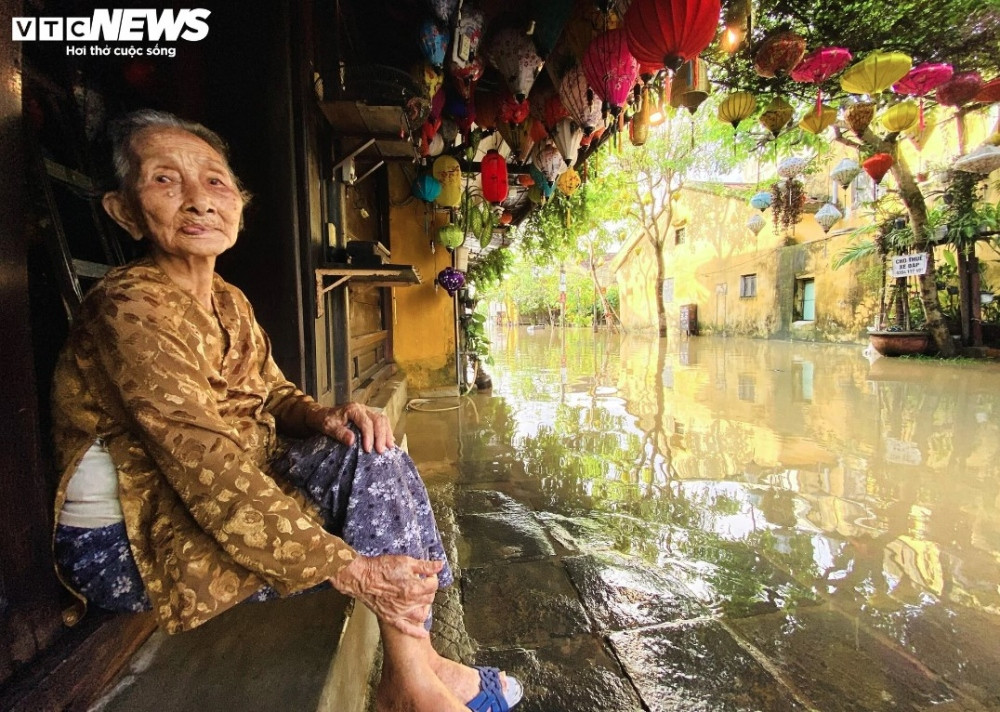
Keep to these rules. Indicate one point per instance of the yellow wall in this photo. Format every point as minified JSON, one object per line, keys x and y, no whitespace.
{"x":424,"y":316}
{"x":718,"y":250}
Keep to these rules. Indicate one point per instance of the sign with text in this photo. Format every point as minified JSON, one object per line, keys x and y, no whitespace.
{"x":909,"y":265}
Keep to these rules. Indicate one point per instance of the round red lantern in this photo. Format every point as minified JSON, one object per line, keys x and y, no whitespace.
{"x":494,"y":177}
{"x":877,"y":166}
{"x":670,"y":32}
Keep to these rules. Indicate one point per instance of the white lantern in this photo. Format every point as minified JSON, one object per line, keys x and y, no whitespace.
{"x":845,"y":171}
{"x":792,"y":167}
{"x":827,"y":216}
{"x":568,"y":136}
{"x":756,"y":223}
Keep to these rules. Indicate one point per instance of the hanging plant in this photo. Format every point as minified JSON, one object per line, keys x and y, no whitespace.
{"x":787,"y":199}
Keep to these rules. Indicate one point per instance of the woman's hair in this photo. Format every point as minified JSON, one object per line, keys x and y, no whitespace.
{"x":124,"y":162}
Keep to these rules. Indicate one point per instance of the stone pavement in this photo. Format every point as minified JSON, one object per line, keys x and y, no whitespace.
{"x":547,"y":597}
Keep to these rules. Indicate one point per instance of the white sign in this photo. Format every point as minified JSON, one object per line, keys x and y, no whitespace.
{"x":909,"y":265}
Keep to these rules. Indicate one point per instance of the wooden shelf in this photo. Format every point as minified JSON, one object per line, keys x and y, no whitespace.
{"x":383,"y":276}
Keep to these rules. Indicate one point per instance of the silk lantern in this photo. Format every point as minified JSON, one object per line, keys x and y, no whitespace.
{"x":960,"y":89}
{"x":778,"y":54}
{"x":776,"y":115}
{"x":449,"y":175}
{"x":487,"y":105}
{"x":580,"y":100}
{"x":451,"y":279}
{"x":569,"y":182}
{"x":493,"y":177}
{"x":818,"y":66}
{"x":444,"y":9}
{"x":983,"y":160}
{"x":859,"y":116}
{"x":549,"y":162}
{"x":567,"y":136}
{"x":877,"y":166}
{"x":610,"y":68}
{"x":426,"y":187}
{"x":755,"y":223}
{"x":554,"y":112}
{"x":875,"y":73}
{"x":792,"y":167}
{"x":512,"y":109}
{"x":827,"y":215}
{"x":670,"y":32}
{"x":817,"y":123}
{"x":990,"y":92}
{"x":433,"y":43}
{"x":550,"y":17}
{"x":921,"y":80}
{"x":513,"y":54}
{"x":468,"y":35}
{"x":761,"y":200}
{"x":737,"y":106}
{"x":450,"y":236}
{"x":900,"y":117}
{"x":845,"y":171}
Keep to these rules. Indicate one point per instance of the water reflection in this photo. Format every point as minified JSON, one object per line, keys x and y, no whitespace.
{"x":772,"y":474}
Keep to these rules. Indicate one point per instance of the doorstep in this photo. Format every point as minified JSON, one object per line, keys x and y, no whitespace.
{"x":309,"y":652}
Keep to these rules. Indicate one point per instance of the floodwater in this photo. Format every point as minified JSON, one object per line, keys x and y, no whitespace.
{"x":745,"y":524}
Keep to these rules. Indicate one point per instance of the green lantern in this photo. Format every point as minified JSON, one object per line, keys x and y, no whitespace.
{"x":451,"y":236}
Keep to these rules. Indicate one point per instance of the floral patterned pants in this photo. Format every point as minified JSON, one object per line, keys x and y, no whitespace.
{"x":375,"y":502}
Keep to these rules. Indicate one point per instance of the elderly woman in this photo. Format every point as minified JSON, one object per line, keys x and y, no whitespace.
{"x":196,"y":477}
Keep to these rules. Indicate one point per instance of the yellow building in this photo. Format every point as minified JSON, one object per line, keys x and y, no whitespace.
{"x":780,"y":283}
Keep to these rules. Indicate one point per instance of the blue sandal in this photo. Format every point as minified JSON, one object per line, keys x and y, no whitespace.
{"x":492,"y":697}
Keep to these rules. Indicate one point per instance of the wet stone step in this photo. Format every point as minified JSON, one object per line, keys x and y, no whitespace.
{"x":502,"y":529}
{"x":621,"y":594}
{"x":840,"y":666}
{"x":696,"y":666}
{"x":521,"y":603}
{"x":571,"y":675}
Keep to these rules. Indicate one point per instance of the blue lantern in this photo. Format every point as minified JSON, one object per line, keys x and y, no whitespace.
{"x":426,"y":187}
{"x":761,"y":201}
{"x":547,"y":187}
{"x":433,"y":43}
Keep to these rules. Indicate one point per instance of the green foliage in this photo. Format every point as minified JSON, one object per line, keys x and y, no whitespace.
{"x":489,"y":270}
{"x":961,"y":32}
{"x":474,"y":331}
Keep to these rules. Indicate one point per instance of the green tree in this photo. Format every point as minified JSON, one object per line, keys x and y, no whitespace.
{"x":963,"y":33}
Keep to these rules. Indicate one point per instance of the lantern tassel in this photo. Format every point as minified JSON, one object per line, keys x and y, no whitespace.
{"x":819,"y":103}
{"x":920,"y":113}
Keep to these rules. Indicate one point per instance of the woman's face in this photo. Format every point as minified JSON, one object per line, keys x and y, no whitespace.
{"x":188,"y":203}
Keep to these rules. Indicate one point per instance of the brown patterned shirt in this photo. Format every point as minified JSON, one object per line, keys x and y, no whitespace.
{"x":188,"y":404}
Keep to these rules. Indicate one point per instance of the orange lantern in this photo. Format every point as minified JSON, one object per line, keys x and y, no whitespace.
{"x":877,"y":166}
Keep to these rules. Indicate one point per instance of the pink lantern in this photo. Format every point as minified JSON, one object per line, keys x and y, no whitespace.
{"x":580,"y":100}
{"x":818,"y":66}
{"x":921,"y":80}
{"x":960,"y":89}
{"x":611,"y":69}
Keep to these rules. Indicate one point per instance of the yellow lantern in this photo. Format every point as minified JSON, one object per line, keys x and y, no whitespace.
{"x":449,"y":175}
{"x":918,"y":136}
{"x":876,"y":73}
{"x":737,"y":106}
{"x":569,"y":181}
{"x":818,"y":123}
{"x":900,"y":117}
{"x":776,"y":115}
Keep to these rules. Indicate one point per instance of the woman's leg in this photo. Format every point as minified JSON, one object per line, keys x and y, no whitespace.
{"x":409,"y":682}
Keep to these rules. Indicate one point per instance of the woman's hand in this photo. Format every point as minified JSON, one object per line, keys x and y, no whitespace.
{"x":398,"y":589}
{"x":374,"y":426}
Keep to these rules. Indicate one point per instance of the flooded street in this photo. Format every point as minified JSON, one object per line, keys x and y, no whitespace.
{"x":723,"y":524}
